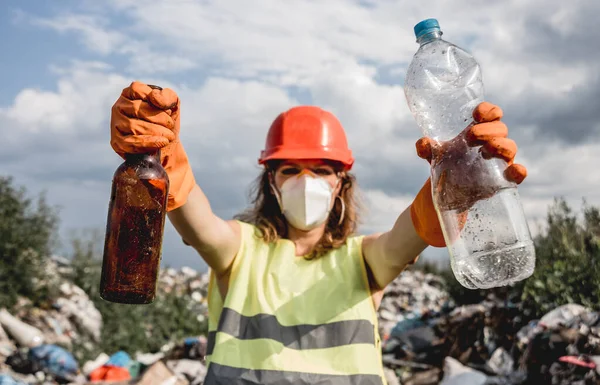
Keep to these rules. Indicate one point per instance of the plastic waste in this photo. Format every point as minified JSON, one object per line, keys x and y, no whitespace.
{"x":405,"y":325}
{"x":562,"y":315}
{"x":107,"y":373}
{"x":148,"y":359}
{"x":583,"y":361}
{"x":134,"y":368}
{"x":120,"y":359}
{"x":55,"y":361}
{"x":443,"y":86}
{"x":25,"y":335}
{"x":456,"y":373}
{"x":192,"y":370}
{"x":390,"y":376}
{"x":90,"y":366}
{"x":195,"y":347}
{"x":81,"y":310}
{"x":501,"y":362}
{"x":19,"y":362}
{"x":134,"y":230}
{"x":159,"y":373}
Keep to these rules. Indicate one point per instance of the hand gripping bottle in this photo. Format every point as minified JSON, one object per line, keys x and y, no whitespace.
{"x":493,"y":247}
{"x":134,"y":230}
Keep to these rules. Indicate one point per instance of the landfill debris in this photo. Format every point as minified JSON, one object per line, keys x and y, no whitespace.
{"x":90,"y":366}
{"x":7,"y":347}
{"x":426,"y":339}
{"x":76,"y":305}
{"x":456,"y":373}
{"x":192,"y":370}
{"x":411,"y":295}
{"x":160,"y":374}
{"x":148,"y":359}
{"x":23,"y":334}
{"x":55,"y":362}
{"x":562,"y":315}
{"x":109,"y":373}
{"x":501,"y":362}
{"x":390,"y":377}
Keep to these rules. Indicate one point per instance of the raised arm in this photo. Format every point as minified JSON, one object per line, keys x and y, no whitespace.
{"x":145,"y":119}
{"x":215,"y":239}
{"x":388,"y":254}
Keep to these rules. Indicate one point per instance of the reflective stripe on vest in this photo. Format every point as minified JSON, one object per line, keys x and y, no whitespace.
{"x":286,"y":320}
{"x":296,"y":336}
{"x":227,"y":375}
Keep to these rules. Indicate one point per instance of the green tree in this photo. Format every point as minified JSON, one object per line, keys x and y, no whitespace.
{"x":27,"y":236}
{"x":567,"y":260}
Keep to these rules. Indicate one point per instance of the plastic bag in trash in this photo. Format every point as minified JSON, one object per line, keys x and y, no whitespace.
{"x":20,"y":363}
{"x":418,"y":339}
{"x":90,"y":366}
{"x":406,"y":325}
{"x":456,"y":373}
{"x":193,"y":370}
{"x":110,"y":374}
{"x":501,"y":362}
{"x":120,"y":359}
{"x":562,"y":315}
{"x":148,"y":359}
{"x":195,"y":347}
{"x":55,"y":361}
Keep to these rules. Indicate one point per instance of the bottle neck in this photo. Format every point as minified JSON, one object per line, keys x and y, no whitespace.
{"x":148,"y":156}
{"x":429,"y":37}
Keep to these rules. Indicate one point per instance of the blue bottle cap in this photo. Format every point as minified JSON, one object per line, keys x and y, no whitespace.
{"x":426,"y":26}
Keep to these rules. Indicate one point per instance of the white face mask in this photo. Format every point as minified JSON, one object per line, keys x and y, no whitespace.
{"x":305,"y":201}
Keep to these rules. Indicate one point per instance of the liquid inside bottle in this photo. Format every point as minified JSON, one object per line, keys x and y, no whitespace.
{"x":134,"y":230}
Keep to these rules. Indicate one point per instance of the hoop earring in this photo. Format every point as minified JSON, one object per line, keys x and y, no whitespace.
{"x":343,"y":210}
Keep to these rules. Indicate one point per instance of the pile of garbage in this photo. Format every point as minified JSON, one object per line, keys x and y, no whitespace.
{"x":491,"y":343}
{"x":36,"y":344}
{"x":412,"y":294}
{"x":189,"y":282}
{"x":426,"y":339}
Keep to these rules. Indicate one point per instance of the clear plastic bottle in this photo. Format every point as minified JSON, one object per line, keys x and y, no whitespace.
{"x":489,"y":241}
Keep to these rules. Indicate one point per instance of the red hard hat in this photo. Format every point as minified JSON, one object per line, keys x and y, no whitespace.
{"x":307,"y":132}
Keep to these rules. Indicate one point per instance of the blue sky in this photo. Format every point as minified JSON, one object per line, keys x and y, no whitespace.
{"x":23,"y":67}
{"x":236,"y":66}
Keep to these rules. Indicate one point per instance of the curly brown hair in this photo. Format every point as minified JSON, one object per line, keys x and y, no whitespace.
{"x":266,"y":214}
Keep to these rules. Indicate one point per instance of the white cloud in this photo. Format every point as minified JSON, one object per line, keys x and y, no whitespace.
{"x":143,"y":60}
{"x":92,"y":30}
{"x":382,"y":210}
{"x":232,"y":63}
{"x":83,"y":96}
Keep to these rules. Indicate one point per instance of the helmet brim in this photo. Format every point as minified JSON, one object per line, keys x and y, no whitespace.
{"x":343,"y":157}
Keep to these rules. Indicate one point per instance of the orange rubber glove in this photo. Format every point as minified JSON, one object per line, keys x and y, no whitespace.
{"x":145,"y":119}
{"x":489,"y":133}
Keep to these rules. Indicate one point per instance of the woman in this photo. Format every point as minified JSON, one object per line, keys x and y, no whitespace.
{"x":293,"y":292}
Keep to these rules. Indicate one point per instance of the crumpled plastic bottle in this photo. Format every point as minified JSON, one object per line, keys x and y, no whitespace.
{"x":493,"y":247}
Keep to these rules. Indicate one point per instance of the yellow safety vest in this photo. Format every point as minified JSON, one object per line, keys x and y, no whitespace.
{"x":288,"y":320}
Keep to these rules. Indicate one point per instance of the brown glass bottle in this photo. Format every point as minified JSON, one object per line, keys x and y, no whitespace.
{"x":134,"y":230}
